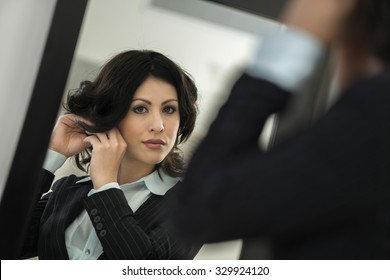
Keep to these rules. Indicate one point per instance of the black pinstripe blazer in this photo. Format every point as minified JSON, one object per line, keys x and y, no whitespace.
{"x":122,"y":233}
{"x":324,"y":193}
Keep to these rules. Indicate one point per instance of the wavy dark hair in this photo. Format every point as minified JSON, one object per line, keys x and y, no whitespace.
{"x":105,"y":101}
{"x":369,"y":26}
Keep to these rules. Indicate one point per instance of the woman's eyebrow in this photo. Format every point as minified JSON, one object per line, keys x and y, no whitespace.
{"x":150,"y":103}
{"x":143,"y":100}
{"x":169,"y":100}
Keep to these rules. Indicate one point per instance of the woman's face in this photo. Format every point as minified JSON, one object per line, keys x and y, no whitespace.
{"x":152,"y":123}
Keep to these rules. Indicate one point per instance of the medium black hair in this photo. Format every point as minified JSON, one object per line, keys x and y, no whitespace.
{"x":105,"y":101}
{"x":369,"y":26}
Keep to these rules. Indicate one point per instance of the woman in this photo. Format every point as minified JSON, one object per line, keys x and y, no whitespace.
{"x":323,"y":193}
{"x":124,"y":128}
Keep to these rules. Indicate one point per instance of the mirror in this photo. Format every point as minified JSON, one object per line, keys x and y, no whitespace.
{"x":209,"y":40}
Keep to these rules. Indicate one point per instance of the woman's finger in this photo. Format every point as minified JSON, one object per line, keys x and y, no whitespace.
{"x":93,"y":140}
{"x":102,"y":137}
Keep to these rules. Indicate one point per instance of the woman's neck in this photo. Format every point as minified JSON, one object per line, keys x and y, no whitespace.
{"x":132,"y":171}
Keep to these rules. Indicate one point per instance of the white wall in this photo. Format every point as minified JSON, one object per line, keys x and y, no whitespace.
{"x":211,"y":52}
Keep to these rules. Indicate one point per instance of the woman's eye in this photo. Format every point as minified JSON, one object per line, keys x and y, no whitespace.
{"x":139,"y":110}
{"x":169,"y":109}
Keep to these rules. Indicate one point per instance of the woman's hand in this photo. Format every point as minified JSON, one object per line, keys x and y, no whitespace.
{"x":107,"y":154}
{"x":324,"y":19}
{"x":68,"y":137}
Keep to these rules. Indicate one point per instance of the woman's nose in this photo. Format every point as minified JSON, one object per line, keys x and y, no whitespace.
{"x":157,"y":123}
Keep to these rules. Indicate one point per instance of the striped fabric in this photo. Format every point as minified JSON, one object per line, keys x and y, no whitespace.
{"x":122,"y":233}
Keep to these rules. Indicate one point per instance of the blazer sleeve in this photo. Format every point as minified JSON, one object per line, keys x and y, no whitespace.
{"x":31,"y":240}
{"x":122,"y":237}
{"x":335,"y":170}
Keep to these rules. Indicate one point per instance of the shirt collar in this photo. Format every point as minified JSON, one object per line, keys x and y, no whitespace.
{"x":155,"y":184}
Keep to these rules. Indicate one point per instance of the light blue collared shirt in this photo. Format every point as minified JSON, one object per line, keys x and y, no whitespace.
{"x":288,"y":58}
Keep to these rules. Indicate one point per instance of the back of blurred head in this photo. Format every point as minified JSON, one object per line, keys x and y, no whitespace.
{"x":369,"y":28}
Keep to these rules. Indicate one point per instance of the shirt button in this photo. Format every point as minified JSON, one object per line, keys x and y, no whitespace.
{"x":87,"y":252}
{"x":94,"y":211}
{"x":99,"y":226}
{"x":97,"y":219}
{"x":103,"y":233}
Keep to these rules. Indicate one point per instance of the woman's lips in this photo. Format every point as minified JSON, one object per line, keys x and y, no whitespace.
{"x":154,"y":143}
